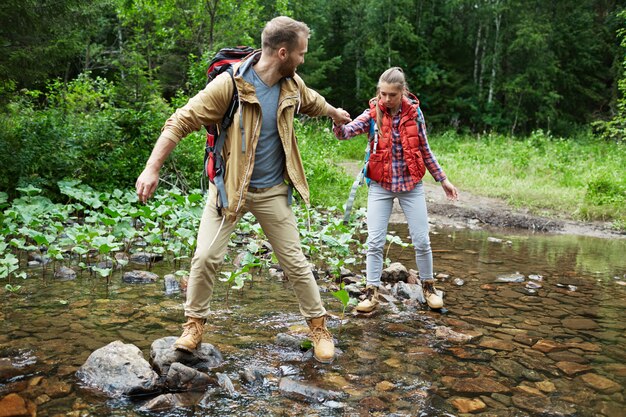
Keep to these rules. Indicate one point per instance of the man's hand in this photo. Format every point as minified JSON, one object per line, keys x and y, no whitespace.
{"x":339,"y":116}
{"x":147,"y":183}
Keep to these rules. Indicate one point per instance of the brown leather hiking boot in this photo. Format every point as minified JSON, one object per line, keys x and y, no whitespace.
{"x":192,"y":335}
{"x":323,"y":345}
{"x":433,"y":299}
{"x":370,"y":302}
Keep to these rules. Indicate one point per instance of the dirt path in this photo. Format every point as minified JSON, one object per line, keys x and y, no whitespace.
{"x":476,"y":212}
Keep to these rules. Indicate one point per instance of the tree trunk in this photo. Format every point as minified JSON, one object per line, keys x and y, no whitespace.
{"x":476,"y":51}
{"x":481,"y":76}
{"x":211,"y":6}
{"x":496,"y":51}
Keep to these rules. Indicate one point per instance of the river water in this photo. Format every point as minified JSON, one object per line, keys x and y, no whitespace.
{"x":553,"y":344}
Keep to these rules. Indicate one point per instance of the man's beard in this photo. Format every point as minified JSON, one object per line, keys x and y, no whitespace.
{"x":288,"y":69}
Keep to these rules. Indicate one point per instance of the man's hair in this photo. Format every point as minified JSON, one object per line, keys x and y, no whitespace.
{"x":283,"y":31}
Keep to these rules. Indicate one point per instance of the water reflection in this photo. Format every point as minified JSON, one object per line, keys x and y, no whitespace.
{"x":552,"y":345}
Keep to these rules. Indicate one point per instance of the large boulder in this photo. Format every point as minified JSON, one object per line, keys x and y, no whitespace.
{"x":163,"y":355}
{"x":119,"y":369}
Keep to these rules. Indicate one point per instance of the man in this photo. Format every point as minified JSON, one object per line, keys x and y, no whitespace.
{"x":261,"y":156}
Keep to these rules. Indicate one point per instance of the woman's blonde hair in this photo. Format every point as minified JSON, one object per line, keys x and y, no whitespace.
{"x":394,"y":76}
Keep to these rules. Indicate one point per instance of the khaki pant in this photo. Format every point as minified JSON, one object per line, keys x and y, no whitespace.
{"x":278,"y":222}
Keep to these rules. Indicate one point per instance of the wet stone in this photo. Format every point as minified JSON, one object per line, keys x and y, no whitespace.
{"x":183,"y":378}
{"x":468,"y":405}
{"x":567,"y":356}
{"x":546,"y":386}
{"x":145,"y":257}
{"x":501,"y":398}
{"x":572,"y":368}
{"x":385,"y":386}
{"x":443,"y":332}
{"x":579,"y":324}
{"x":373,"y":404}
{"x":140,"y":277}
{"x":547,"y":345}
{"x":497,"y":344}
{"x":287,"y":340}
{"x":601,"y":383}
{"x":302,"y":391}
{"x":64,"y":273}
{"x":509,"y":368}
{"x":163,"y":355}
{"x":118,"y":369}
{"x":525,"y":339}
{"x":226,"y":384}
{"x":252,"y":376}
{"x":405,"y":291}
{"x":516,"y":277}
{"x":483,"y":321}
{"x":170,"y":401}
{"x":171,"y":284}
{"x":470,"y":354}
{"x":480,"y":385}
{"x":396,"y":272}
{"x":15,"y":406}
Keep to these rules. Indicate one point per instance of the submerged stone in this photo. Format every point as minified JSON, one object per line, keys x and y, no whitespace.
{"x":302,"y":391}
{"x":516,"y":277}
{"x":170,"y":401}
{"x":447,"y":333}
{"x":601,"y":383}
{"x":468,"y":405}
{"x":479,"y":385}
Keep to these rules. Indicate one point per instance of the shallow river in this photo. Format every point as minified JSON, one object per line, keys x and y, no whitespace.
{"x":553,"y":344}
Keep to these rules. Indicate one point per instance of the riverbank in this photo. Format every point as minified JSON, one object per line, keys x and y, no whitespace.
{"x":475,"y":212}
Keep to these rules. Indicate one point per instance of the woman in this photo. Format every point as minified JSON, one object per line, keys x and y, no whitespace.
{"x":399,"y":156}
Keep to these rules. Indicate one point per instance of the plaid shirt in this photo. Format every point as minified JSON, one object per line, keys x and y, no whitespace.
{"x":401,"y":180}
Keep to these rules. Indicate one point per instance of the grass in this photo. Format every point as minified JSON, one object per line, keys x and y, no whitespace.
{"x":581,"y":178}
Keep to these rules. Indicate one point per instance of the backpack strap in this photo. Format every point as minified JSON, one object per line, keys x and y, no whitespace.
{"x":216,"y":149}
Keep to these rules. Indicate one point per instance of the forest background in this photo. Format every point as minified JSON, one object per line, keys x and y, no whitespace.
{"x":86,"y":86}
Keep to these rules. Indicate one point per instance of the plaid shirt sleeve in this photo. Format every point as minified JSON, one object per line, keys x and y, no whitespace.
{"x":429,"y":158}
{"x":356,"y":127}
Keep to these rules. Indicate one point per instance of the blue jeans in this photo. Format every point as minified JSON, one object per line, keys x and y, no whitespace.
{"x":379,"y":206}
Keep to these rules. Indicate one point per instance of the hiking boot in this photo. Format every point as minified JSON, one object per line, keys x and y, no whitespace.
{"x":370,"y":302}
{"x":323,"y":345}
{"x":192,"y":335}
{"x":433,"y":299}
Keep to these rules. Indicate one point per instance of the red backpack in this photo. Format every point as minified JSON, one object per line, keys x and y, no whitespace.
{"x":216,"y":135}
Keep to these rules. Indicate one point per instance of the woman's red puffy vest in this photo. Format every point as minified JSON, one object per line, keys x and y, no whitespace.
{"x":379,"y":165}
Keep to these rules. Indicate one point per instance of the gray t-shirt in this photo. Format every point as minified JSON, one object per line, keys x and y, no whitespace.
{"x":269,"y":158}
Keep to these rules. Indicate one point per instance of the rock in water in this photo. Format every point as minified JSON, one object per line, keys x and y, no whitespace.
{"x":183,"y":378}
{"x":227,"y":385}
{"x":118,"y":369}
{"x":305,"y":392}
{"x":163,"y":355}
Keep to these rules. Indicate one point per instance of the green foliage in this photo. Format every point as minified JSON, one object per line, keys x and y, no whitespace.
{"x":581,"y":177}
